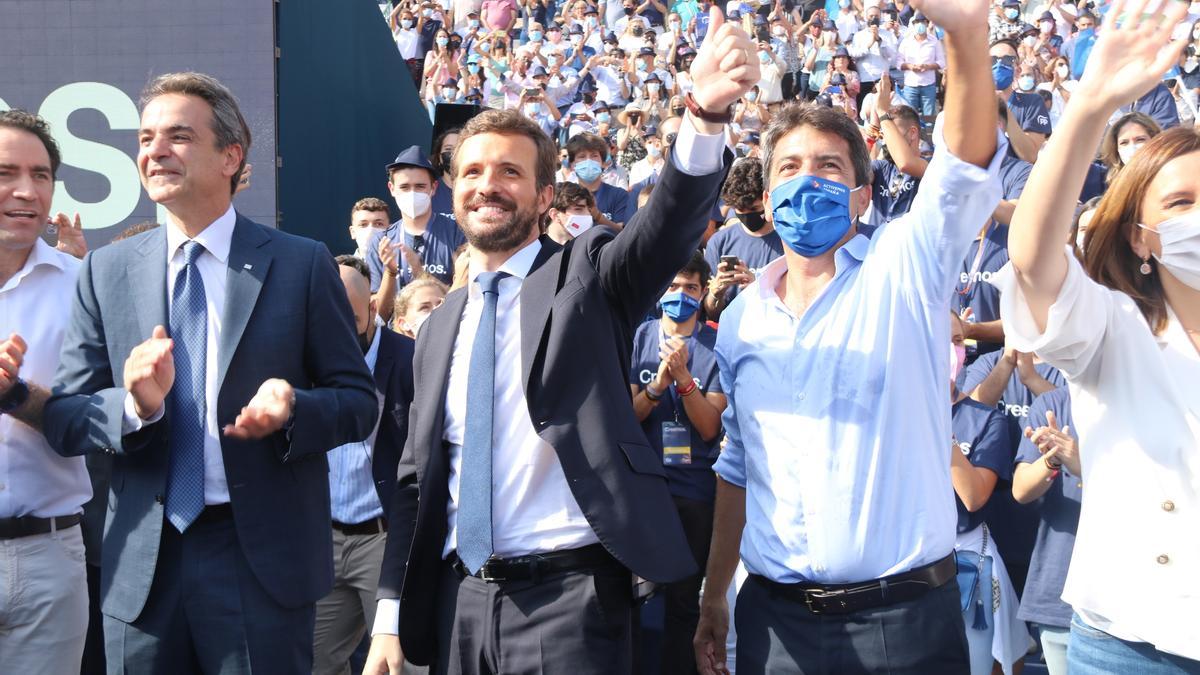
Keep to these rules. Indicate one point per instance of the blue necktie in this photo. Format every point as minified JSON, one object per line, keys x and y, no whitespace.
{"x":475,"y":480}
{"x":187,"y":405}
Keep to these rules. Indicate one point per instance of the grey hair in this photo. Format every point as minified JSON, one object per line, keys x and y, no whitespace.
{"x":795,"y":115}
{"x":228,"y":124}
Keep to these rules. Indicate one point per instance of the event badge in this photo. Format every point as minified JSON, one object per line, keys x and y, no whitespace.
{"x":677,"y":444}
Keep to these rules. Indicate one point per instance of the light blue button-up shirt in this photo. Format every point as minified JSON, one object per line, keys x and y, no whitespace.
{"x":352,"y":496}
{"x":838,"y":423}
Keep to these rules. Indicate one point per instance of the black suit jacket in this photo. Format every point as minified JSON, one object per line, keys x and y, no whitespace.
{"x":393,"y":379}
{"x":580,"y":305}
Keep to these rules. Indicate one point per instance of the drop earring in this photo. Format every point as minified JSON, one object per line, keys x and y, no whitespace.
{"x":1145,"y":268}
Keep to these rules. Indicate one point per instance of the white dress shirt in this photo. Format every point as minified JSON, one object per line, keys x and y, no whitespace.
{"x":921,"y":52}
{"x":872,"y":59}
{"x":216,"y":240}
{"x":533,"y":508}
{"x":831,"y":426}
{"x":36,"y":304}
{"x":1135,"y":396}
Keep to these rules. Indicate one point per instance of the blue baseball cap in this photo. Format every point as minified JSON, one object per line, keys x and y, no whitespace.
{"x":412,"y":156}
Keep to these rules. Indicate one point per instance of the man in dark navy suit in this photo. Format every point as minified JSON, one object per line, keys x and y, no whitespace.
{"x":527,"y":493}
{"x":215,"y":359}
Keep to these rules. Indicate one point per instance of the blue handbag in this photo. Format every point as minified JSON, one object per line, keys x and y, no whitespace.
{"x":973,"y":568}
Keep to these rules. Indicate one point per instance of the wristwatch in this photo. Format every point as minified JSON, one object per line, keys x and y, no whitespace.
{"x":885,"y":117}
{"x":715,"y":117}
{"x":15,"y":398}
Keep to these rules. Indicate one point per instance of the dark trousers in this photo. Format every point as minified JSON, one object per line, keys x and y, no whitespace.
{"x":682,"y":598}
{"x":573,"y":622}
{"x":787,"y":86}
{"x":93,"y":648}
{"x":780,"y":636}
{"x":207,"y":613}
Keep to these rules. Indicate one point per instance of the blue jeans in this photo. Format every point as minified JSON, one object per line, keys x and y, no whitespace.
{"x":1094,"y":652}
{"x":923,"y":99}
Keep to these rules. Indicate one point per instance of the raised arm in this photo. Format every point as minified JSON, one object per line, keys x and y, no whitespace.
{"x":1127,"y":61}
{"x":969,"y":128}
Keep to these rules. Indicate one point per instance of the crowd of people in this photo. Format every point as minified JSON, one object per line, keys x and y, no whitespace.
{"x":691,"y":307}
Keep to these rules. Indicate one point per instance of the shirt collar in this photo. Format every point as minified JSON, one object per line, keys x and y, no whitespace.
{"x":41,"y":254}
{"x":517,"y":266}
{"x":216,"y":238}
{"x":855,"y":249}
{"x":372,"y":355}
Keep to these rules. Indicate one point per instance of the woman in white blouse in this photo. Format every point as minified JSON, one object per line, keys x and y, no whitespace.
{"x":1125,"y":329}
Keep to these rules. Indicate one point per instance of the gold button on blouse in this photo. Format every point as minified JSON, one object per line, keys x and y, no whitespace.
{"x":1163,"y":559}
{"x":1168,"y":505}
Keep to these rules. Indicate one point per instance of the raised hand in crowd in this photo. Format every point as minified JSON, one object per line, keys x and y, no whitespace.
{"x":726,"y":67}
{"x":1058,"y":446}
{"x":70,"y":235}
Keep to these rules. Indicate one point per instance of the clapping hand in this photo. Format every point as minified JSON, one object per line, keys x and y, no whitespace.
{"x":1131,"y":54}
{"x":955,"y":15}
{"x":674,"y":353}
{"x":1056,"y":444}
{"x":70,"y":235}
{"x":266,"y":413}
{"x":150,"y":372}
{"x":12,"y":355}
{"x":725,"y":68}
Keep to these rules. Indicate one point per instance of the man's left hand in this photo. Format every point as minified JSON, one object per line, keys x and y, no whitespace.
{"x":726,"y":66}
{"x":955,"y":15}
{"x":266,"y":413}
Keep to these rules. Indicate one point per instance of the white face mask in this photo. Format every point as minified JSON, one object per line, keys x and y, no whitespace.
{"x":578,"y":224}
{"x":362,"y":237}
{"x":1126,"y":152}
{"x":413,"y":204}
{"x":1063,"y":72}
{"x":1180,"y":237}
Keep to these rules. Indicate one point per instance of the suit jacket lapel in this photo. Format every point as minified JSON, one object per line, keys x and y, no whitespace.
{"x":247,"y":271}
{"x":383,"y":364}
{"x":537,"y":294}
{"x":147,"y":275}
{"x":437,"y":337}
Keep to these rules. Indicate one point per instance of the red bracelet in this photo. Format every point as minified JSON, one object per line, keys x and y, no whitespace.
{"x":685,"y":392}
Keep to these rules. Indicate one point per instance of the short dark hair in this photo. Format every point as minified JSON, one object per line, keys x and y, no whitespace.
{"x":827,"y":120}
{"x":567,"y":195}
{"x":581,"y":142}
{"x":697,"y":265}
{"x":906,"y":114}
{"x":513,"y":123}
{"x":228,"y":124}
{"x":34,"y":124}
{"x":744,"y":186}
{"x":369,"y":204}
{"x":401,"y":167}
{"x":355,"y":264}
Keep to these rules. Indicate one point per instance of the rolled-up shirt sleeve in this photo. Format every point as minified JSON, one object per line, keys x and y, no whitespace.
{"x":731,"y":463}
{"x":1076,"y":325}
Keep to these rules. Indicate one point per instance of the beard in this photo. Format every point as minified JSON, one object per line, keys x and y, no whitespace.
{"x":496,"y":236}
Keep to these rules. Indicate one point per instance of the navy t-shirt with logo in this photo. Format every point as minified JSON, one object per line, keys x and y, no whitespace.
{"x":983,"y":436}
{"x":1014,"y":525}
{"x":733,"y":239}
{"x":1031,"y":112}
{"x":443,"y":200}
{"x":436,"y":248}
{"x":1059,"y":519}
{"x":696,"y":480}
{"x":974,"y":288}
{"x":613,"y":203}
{"x":892,"y":192}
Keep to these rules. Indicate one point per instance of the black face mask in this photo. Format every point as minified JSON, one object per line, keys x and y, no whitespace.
{"x":589,"y":98}
{"x":678,"y":111}
{"x":754,"y":221}
{"x":628,"y":11}
{"x":446,"y":157}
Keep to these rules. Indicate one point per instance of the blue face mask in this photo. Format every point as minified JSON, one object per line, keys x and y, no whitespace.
{"x":1012,"y":13}
{"x":1002,"y":73}
{"x":484,"y":47}
{"x":535,"y":35}
{"x":472,"y":68}
{"x":641,"y":66}
{"x":811,"y":214}
{"x":922,"y":29}
{"x":588,"y":170}
{"x":1026,"y":83}
{"x":679,"y":306}
{"x":602,"y":117}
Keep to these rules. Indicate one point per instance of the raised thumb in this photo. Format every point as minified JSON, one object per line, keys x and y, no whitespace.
{"x":716,"y":19}
{"x":159,"y":333}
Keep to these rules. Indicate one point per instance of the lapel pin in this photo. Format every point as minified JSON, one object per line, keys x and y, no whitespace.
{"x":248,"y":266}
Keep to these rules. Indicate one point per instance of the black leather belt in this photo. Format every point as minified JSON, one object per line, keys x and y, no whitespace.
{"x":848,"y":598}
{"x":535,"y":567}
{"x":372,"y":526}
{"x":27,"y":526}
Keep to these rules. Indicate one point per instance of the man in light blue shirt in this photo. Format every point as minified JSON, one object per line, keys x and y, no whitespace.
{"x":362,"y":477}
{"x":835,"y":478}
